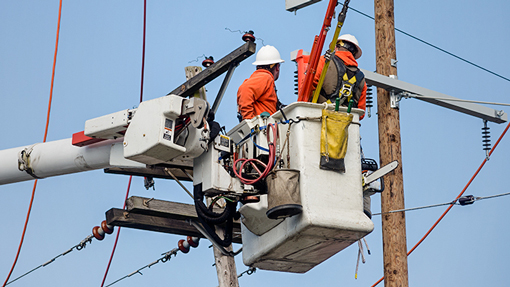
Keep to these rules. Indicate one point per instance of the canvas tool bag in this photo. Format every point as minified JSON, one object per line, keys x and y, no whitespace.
{"x":334,"y":137}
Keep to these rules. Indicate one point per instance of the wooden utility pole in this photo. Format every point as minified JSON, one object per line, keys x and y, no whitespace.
{"x":225,"y":265}
{"x":393,"y":224}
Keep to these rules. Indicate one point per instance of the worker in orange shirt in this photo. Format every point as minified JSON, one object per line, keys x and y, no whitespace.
{"x":343,"y":75}
{"x":257,"y":94}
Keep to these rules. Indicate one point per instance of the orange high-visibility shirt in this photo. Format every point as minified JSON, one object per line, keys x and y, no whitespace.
{"x":348,"y":60}
{"x":257,"y":94}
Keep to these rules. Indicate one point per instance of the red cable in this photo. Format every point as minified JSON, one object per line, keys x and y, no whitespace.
{"x":143,"y":48}
{"x":141,"y":100}
{"x":44,"y":140}
{"x":117,"y":236}
{"x":458,"y":196}
{"x":268,"y":167}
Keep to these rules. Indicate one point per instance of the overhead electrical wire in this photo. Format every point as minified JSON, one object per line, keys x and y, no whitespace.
{"x":438,"y":48}
{"x":458,"y":196}
{"x":78,"y":247}
{"x":166,"y":256}
{"x":183,"y":246}
{"x":455,"y":202}
{"x":117,"y":236}
{"x":44,"y":140}
{"x":141,"y":100}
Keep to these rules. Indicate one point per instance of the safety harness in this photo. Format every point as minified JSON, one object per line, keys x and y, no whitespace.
{"x":346,"y":87}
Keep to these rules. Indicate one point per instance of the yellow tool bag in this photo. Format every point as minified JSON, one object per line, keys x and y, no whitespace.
{"x":334,"y":136}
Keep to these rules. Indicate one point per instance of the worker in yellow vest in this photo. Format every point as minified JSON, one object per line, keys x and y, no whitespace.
{"x":343,"y":76}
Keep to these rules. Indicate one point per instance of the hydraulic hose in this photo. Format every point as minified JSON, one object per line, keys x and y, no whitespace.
{"x":204,"y":212}
{"x":229,"y":227}
{"x":272,"y":152}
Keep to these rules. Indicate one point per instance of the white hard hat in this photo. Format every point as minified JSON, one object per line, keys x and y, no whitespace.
{"x":351,"y":39}
{"x":267,"y":55}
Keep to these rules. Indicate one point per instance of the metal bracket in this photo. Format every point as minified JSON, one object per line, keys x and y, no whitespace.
{"x":395,"y":98}
{"x":223,"y":87}
{"x":197,"y":109}
{"x":393,"y":63}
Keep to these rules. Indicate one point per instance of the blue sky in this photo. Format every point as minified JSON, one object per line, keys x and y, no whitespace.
{"x":98,"y":72}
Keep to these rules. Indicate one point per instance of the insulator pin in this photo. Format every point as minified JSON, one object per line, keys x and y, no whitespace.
{"x":208,"y":61}
{"x":248,"y":36}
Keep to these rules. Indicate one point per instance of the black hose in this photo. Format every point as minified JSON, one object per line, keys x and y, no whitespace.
{"x":229,"y":227}
{"x":204,"y":212}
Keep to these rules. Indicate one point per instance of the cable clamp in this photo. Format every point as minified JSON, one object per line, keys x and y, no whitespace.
{"x":83,"y":243}
{"x":168,"y":255}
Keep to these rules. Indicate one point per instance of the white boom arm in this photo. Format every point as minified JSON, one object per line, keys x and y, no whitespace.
{"x":153,"y":136}
{"x":52,"y":159}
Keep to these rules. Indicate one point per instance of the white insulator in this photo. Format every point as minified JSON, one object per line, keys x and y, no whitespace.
{"x":100,"y":231}
{"x":185,"y":244}
{"x":195,"y":239}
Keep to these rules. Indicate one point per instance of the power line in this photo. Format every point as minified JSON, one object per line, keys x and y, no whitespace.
{"x":458,"y":196}
{"x":141,"y":100}
{"x":454,"y":202}
{"x":78,"y":246}
{"x":165,"y":258}
{"x":182,"y":245}
{"x":44,"y":140}
{"x":438,"y":48}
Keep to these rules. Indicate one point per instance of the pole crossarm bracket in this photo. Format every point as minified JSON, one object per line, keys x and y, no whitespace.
{"x":401,"y":89}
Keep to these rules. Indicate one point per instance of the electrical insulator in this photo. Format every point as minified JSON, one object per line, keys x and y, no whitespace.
{"x":486,"y":138}
{"x":369,"y":100}
{"x":108,"y":229}
{"x":98,"y":232}
{"x":193,"y":241}
{"x":296,"y":83}
{"x":208,"y":61}
{"x":183,"y":246}
{"x":248,"y":36}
